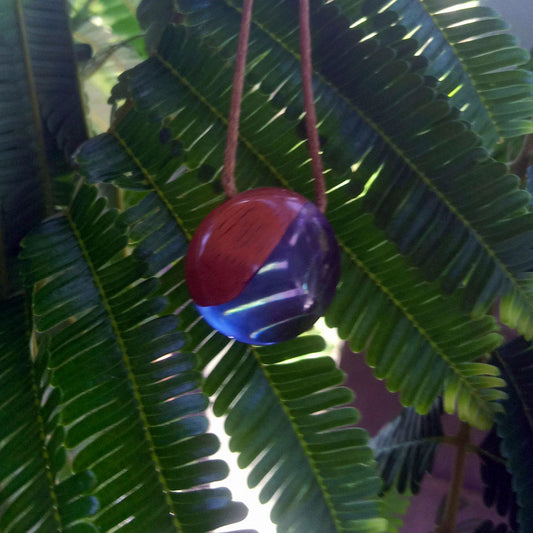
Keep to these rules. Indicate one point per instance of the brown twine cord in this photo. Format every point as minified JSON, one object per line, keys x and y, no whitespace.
{"x":309,"y":105}
{"x":232,"y":139}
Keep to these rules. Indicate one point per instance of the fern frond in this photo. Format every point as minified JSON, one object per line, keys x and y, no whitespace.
{"x":474,"y":57}
{"x":515,"y":423}
{"x":497,"y":490}
{"x":131,"y":408}
{"x":272,"y":397}
{"x":51,"y":75}
{"x":405,"y":448}
{"x":424,"y":165}
{"x":395,"y":506}
{"x":393,"y":295}
{"x":38,"y":492}
{"x":42,"y":119}
{"x":269,"y":396}
{"x":288,"y":420}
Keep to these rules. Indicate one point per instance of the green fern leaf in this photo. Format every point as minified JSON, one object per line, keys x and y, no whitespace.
{"x":38,"y":490}
{"x":469,"y":50}
{"x":139,"y":154}
{"x":392,"y":292}
{"x":50,"y":72}
{"x":270,"y":392}
{"x":42,"y":118}
{"x":395,"y":294}
{"x":405,"y":448}
{"x":395,"y":506}
{"x":397,"y":319}
{"x":401,"y":167}
{"x":268,"y":395}
{"x":156,"y":235}
{"x":287,"y":418}
{"x":131,"y":409}
{"x":515,"y":424}
{"x":496,"y":255}
{"x":497,"y":490}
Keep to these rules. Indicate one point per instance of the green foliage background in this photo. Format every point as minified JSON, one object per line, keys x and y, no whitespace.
{"x":106,"y":368}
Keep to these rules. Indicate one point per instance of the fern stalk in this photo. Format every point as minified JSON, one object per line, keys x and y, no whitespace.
{"x":453,"y":500}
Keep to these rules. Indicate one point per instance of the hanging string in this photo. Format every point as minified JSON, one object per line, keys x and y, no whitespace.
{"x":232,"y":139}
{"x":313,"y":141}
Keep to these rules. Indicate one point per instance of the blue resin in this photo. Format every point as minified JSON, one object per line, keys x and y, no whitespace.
{"x":292,"y":289}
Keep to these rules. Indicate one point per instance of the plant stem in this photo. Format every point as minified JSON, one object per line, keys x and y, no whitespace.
{"x":453,"y":499}
{"x":470,"y":448}
{"x":309,"y":105}
{"x":232,"y":139}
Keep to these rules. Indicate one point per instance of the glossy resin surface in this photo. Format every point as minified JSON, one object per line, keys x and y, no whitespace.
{"x":264,"y":266}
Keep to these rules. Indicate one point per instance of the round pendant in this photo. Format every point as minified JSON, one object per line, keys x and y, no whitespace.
{"x":263,"y":266}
